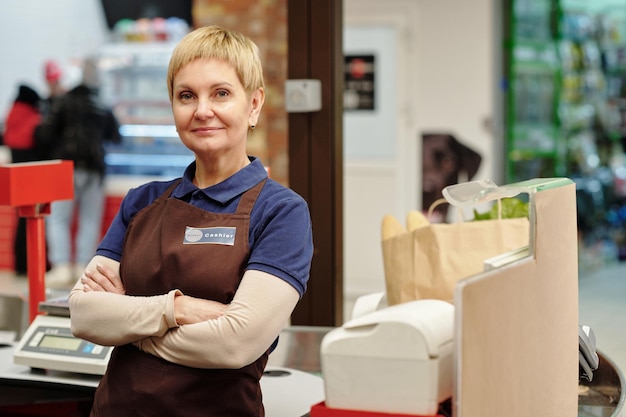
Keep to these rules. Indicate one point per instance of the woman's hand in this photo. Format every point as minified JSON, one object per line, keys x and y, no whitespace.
{"x":100,"y":277}
{"x":190,"y":310}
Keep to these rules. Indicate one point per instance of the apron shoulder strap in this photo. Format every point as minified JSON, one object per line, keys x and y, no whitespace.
{"x":249,"y":198}
{"x":166,"y":194}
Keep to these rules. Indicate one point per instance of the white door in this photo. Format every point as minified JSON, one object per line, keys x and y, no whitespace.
{"x":380,"y":172}
{"x":436,"y":69}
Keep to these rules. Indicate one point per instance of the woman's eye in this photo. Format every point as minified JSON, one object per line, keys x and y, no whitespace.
{"x":222,"y":93}
{"x":185,"y":96}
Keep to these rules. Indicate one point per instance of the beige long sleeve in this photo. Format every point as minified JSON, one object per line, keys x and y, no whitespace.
{"x":112,"y":319}
{"x":260,"y":309}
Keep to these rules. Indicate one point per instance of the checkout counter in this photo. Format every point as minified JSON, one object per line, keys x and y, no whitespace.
{"x":292,"y":383}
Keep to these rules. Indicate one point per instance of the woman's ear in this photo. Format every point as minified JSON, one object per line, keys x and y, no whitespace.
{"x":257,"y":100}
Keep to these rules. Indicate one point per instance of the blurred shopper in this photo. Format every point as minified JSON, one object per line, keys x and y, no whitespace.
{"x":76,"y":129}
{"x":19,"y":128}
{"x":53,"y":75}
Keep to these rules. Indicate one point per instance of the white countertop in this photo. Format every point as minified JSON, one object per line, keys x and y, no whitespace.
{"x":286,"y":392}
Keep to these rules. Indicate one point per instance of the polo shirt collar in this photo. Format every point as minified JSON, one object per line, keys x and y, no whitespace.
{"x":231,"y":187}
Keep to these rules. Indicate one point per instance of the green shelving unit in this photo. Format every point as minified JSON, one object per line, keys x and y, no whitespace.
{"x":565,"y":69}
{"x":533,"y":147}
{"x":565,"y":99}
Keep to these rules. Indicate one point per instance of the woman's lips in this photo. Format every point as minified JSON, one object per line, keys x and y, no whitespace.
{"x":205,"y":130}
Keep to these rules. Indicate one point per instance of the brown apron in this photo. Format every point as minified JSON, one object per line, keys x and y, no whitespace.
{"x":160,"y":254}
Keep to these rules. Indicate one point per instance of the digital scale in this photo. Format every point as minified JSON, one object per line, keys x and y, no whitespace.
{"x":48,"y":343}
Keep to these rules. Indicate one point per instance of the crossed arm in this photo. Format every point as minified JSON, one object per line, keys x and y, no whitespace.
{"x":182,"y":329}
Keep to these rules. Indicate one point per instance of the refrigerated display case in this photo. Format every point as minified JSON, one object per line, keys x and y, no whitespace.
{"x":134,"y":85}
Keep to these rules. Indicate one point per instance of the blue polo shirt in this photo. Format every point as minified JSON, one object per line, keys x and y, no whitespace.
{"x":280,"y":240}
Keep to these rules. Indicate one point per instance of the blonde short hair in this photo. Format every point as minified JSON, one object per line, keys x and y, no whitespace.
{"x":214,"y":42}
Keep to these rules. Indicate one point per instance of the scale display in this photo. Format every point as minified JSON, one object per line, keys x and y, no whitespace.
{"x":48,"y":343}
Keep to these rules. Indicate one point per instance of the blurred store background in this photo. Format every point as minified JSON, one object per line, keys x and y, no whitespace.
{"x":565,"y":63}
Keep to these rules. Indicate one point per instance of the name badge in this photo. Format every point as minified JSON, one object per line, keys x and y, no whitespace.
{"x":210,"y":235}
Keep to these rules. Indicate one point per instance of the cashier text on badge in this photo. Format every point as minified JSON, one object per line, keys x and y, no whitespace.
{"x":210,"y":235}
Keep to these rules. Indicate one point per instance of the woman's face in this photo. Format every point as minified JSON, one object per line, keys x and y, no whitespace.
{"x":212,"y":111}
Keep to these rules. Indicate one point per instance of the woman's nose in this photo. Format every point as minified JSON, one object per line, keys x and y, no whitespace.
{"x":204,"y":109}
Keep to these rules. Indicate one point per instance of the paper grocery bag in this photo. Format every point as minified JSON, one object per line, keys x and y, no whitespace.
{"x":426,"y":263}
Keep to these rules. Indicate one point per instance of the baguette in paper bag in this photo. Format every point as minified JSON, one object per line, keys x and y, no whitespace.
{"x":427,"y":262}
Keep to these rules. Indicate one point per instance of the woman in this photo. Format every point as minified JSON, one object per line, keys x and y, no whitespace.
{"x":196,"y":277}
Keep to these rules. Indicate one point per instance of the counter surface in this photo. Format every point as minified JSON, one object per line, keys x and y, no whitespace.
{"x":286,"y":392}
